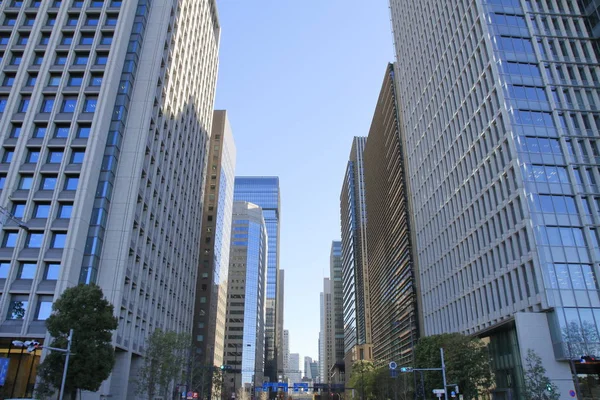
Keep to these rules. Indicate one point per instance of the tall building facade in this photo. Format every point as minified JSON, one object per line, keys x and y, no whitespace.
{"x":264,"y":191}
{"x":211,"y":281}
{"x":246,"y":297}
{"x":307,"y":371}
{"x":337,"y":317}
{"x":294,"y":373}
{"x":356,"y":303}
{"x":391,"y":275}
{"x":326,"y":355}
{"x":104,"y":156}
{"x":500,"y":114}
{"x":286,"y":349}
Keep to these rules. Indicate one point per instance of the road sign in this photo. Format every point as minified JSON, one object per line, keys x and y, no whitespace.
{"x":190,"y":396}
{"x":572,"y":393}
{"x":195,"y":396}
{"x":453,"y":393}
{"x":393,"y":365}
{"x":438,"y":391}
{"x":3,"y":370}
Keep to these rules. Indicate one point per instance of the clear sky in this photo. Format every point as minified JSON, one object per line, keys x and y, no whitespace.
{"x":299,"y":80}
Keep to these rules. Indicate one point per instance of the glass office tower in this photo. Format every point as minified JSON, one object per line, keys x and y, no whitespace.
{"x":246,"y":298}
{"x":264,"y":191}
{"x":105,"y":125}
{"x":500,"y":106}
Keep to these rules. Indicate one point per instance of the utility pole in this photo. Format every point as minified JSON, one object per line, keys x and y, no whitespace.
{"x":444,"y":373}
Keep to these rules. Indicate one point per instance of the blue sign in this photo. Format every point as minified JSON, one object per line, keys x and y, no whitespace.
{"x":3,"y":370}
{"x":297,"y":386}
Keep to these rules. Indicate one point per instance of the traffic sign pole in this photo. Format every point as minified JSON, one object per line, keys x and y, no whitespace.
{"x":443,"y":371}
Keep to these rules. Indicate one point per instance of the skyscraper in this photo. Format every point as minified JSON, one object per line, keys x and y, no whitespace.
{"x":391,"y":276}
{"x":326,"y":333}
{"x":337,"y":310}
{"x":500,"y":115}
{"x":294,"y":374}
{"x":286,"y":349}
{"x":106,"y":124}
{"x":356,"y":303}
{"x":211,"y":284}
{"x":264,"y":191}
{"x":244,"y":342}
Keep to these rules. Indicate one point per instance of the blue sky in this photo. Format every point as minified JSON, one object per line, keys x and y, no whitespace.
{"x":300,"y":79}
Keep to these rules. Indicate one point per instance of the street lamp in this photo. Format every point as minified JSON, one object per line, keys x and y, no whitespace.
{"x":33,"y":345}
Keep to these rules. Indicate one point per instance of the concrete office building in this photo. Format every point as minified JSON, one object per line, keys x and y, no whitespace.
{"x":264,"y":191}
{"x":294,"y":373}
{"x":286,"y":349}
{"x":326,"y":355}
{"x":211,"y":284}
{"x":391,"y":275}
{"x":500,"y":116}
{"x":356,"y":303}
{"x":106,"y":127}
{"x":337,"y":309}
{"x":246,"y":298}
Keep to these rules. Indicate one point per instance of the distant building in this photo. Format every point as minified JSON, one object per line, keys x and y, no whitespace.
{"x":286,"y":350}
{"x":246,"y":310}
{"x":264,"y":192}
{"x":337,"y":371}
{"x":326,"y":355}
{"x":211,"y":284}
{"x":294,"y":373}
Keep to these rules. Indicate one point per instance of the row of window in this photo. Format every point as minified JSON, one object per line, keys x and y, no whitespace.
{"x":19,"y":306}
{"x":27,"y":270}
{"x":85,"y":39}
{"x":61,"y":59}
{"x":61,"y":131}
{"x":47,"y":182}
{"x":68,"y":104}
{"x":58,"y":3}
{"x":42,"y":210}
{"x":53,"y":157}
{"x":34,"y":240}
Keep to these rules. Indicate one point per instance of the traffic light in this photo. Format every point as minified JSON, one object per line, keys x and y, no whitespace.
{"x":31,"y":345}
{"x":549,"y":387}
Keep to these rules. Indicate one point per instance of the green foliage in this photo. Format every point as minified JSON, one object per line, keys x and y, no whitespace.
{"x":372,"y":383}
{"x":537,"y":385}
{"x":164,"y":362}
{"x":362,"y":379}
{"x":84,"y":309}
{"x":467,"y":363}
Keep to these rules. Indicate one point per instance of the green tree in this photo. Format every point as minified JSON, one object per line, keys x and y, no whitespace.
{"x":537,"y":385}
{"x":363,"y":379}
{"x":467,"y":363}
{"x":165,"y":360}
{"x":84,"y":309}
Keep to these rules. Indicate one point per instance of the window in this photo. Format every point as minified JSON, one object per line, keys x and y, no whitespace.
{"x":48,"y":183}
{"x":65,"y":211}
{"x":45,"y":39}
{"x":44,"y":308}
{"x":27,"y":271}
{"x":58,"y":240}
{"x":66,"y":39}
{"x":35,"y":3}
{"x":47,"y":105}
{"x":75,"y":80}
{"x":4,"y":38}
{"x":15,"y":131}
{"x":69,"y":104}
{"x":71,"y":183}
{"x":90,"y":104}
{"x":10,"y":239}
{"x":80,"y":59}
{"x":96,"y":4}
{"x":16,"y":3}
{"x":38,"y":58}
{"x":51,"y":20}
{"x":25,"y":182}
{"x":8,"y":156}
{"x":111,"y":21}
{"x":18,"y":210}
{"x":3,"y":101}
{"x":10,"y":20}
{"x":2,"y":181}
{"x":72,"y":20}
{"x":101,"y":59}
{"x":31,"y":80}
{"x":61,"y":59}
{"x":24,"y":104}
{"x":9,"y":80}
{"x":39,"y":131}
{"x":96,"y":80}
{"x":55,"y":157}
{"x":52,"y":271}
{"x":54,"y":80}
{"x":116,"y":3}
{"x":56,"y":3}
{"x":16,"y":59}
{"x":91,"y":21}
{"x":4,"y":269}
{"x":86,"y":39}
{"x":41,"y":210}
{"x":23,"y":39}
{"x":77,"y":4}
{"x":29,"y":20}
{"x":34,"y":240}
{"x":32,"y":156}
{"x":77,"y":156}
{"x":17,"y":307}
{"x":62,"y":131}
{"x":106,"y":39}
{"x":83,"y":131}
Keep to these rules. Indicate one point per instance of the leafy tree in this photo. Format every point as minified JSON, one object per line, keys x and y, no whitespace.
{"x":467,"y":363}
{"x":166,"y":354}
{"x":537,"y":385}
{"x":363,"y":379}
{"x":84,"y":309}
